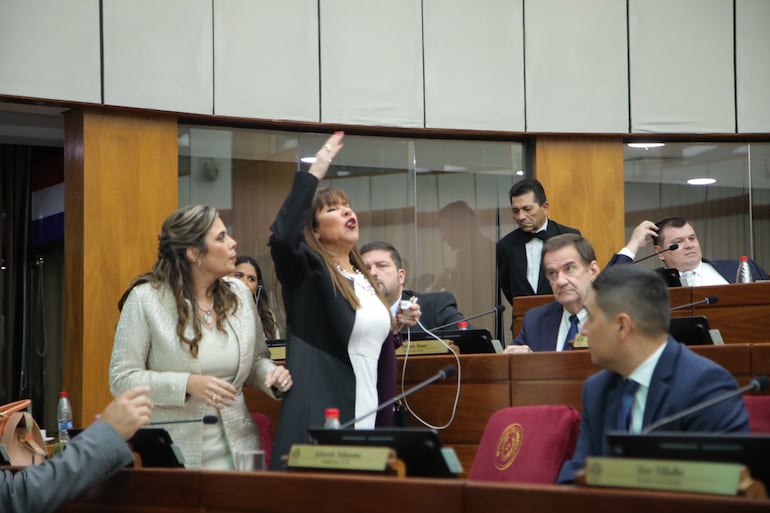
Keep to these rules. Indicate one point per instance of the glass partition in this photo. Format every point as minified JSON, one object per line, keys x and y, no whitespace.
{"x":442,"y":203}
{"x":720,"y":188}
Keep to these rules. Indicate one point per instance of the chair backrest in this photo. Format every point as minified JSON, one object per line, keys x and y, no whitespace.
{"x":758,"y":407}
{"x":265,"y":428}
{"x":526,"y":444}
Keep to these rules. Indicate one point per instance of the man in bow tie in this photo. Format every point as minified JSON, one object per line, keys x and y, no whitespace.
{"x":519,"y":253}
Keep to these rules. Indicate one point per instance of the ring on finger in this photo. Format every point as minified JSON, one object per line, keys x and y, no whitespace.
{"x":214,"y":398}
{"x":327,"y":147}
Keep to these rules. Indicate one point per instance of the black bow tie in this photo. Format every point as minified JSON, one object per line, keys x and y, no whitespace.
{"x":528,"y":236}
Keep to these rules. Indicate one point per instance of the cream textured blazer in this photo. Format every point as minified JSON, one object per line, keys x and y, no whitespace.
{"x":147,"y":351}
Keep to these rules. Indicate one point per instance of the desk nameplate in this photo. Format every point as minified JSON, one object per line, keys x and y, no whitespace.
{"x":672,"y":475}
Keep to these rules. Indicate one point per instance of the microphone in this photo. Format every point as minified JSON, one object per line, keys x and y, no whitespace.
{"x":757,"y":383}
{"x":442,"y":374}
{"x":259,"y":292}
{"x":496,"y":309}
{"x":672,"y":247}
{"x":708,"y":300}
{"x":206,"y":419}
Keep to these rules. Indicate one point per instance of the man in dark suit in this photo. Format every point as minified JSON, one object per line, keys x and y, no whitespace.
{"x":385,"y":265}
{"x":569,"y":264}
{"x":694,"y":270}
{"x":518,"y":253}
{"x":647,"y":374}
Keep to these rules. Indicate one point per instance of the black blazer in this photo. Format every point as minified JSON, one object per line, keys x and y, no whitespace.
{"x":319,"y":322}
{"x":512,"y":263}
{"x":438,"y":308}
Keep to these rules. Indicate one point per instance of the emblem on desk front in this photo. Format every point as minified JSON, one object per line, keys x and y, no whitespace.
{"x":508,"y":446}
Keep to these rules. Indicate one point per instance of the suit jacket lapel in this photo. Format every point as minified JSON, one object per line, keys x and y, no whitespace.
{"x":543,"y":286}
{"x":551,"y":322}
{"x":659,"y":384}
{"x":520,"y":261}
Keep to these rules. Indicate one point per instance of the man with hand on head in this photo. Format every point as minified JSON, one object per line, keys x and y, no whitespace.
{"x":569,"y":264}
{"x":92,"y":456}
{"x":647,"y":374}
{"x":687,"y":258}
{"x":385,"y":265}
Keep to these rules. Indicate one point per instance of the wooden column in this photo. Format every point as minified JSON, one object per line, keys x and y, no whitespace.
{"x":120,"y":180}
{"x":583,"y":180}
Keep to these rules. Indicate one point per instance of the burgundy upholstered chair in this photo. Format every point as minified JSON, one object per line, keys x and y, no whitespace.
{"x":265,"y":427}
{"x":526,"y":444}
{"x":758,"y":407}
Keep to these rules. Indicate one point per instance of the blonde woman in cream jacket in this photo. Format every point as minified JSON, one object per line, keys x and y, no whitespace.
{"x":194,"y":337}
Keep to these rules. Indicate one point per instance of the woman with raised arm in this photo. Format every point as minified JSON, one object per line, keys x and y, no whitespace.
{"x":339,"y":329}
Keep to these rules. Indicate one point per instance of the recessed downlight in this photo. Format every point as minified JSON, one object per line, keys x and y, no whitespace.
{"x":645,"y":146}
{"x":308,"y":160}
{"x":701,"y":181}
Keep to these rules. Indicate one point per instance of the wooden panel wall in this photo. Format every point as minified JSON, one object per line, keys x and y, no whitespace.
{"x":120,"y":179}
{"x":583,"y":180}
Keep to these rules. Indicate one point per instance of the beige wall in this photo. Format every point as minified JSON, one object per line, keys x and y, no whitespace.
{"x":341,"y":62}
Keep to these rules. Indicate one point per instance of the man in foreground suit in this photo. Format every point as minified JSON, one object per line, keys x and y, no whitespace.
{"x":92,"y":456}
{"x":386,"y":267}
{"x":646,"y":370}
{"x":519,"y":252}
{"x":569,"y":264}
{"x":694,"y":270}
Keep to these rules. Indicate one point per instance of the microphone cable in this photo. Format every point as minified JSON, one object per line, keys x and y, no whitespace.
{"x":408,"y":343}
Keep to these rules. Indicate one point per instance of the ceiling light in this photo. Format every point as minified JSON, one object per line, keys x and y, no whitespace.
{"x":519,"y":173}
{"x":701,"y":181}
{"x":645,"y":146}
{"x":308,"y":160}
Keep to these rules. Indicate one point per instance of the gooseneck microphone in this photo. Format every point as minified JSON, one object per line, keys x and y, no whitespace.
{"x":708,"y":300}
{"x":672,"y":247}
{"x":206,"y":419}
{"x":496,"y":309}
{"x":442,"y":374}
{"x":757,"y":383}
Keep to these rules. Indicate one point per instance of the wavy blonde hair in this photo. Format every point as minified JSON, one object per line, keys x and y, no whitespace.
{"x":186,"y":228}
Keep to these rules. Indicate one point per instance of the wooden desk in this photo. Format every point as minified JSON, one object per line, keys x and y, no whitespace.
{"x":505,"y":498}
{"x":742,"y":314}
{"x":188,"y":491}
{"x":522,"y":304}
{"x":493,"y":382}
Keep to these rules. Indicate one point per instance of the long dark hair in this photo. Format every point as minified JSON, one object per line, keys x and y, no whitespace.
{"x":186,"y":228}
{"x":325,"y":198}
{"x":262,"y":297}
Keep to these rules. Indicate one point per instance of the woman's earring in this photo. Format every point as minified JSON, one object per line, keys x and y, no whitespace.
{"x":199,"y":263}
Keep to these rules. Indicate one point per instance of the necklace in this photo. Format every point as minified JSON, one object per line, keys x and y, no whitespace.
{"x":358,"y":277}
{"x":207,"y":319}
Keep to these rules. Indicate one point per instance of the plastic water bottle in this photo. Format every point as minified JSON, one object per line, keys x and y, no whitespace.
{"x":64,"y":417}
{"x":332,"y":418}
{"x":744,"y":271}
